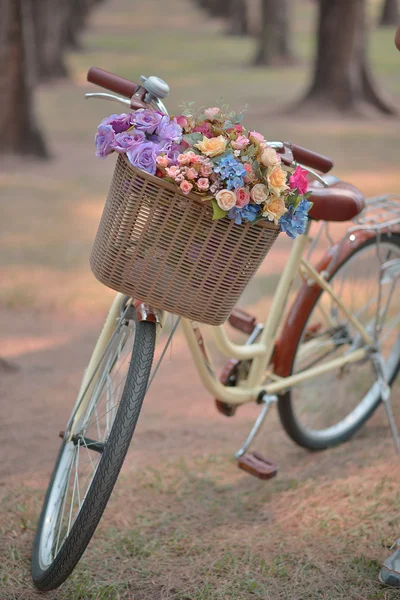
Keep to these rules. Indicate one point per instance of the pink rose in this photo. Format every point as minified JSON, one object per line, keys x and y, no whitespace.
{"x":186,"y":186}
{"x":206,"y":169}
{"x":225,"y":199}
{"x":242,"y":197}
{"x":184,"y":159}
{"x":211,"y":113}
{"x":203,"y":184}
{"x":237,"y":128}
{"x":240,"y":143}
{"x":191,"y":173}
{"x":182,"y":121}
{"x":204,"y":128}
{"x":172,"y":171}
{"x":256,"y":138}
{"x":299,"y":180}
{"x":162,"y":161}
{"x":250,"y":173}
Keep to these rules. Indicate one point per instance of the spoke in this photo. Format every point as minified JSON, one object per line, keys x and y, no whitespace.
{"x":73,"y":493}
{"x":63,"y":507}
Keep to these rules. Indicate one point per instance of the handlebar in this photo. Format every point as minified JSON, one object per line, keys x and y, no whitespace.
{"x":310,"y":159}
{"x":128,"y":89}
{"x":112,"y":82}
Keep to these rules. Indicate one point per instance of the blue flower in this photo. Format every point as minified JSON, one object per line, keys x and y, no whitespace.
{"x":294,"y":222}
{"x":232,"y":172}
{"x":247,"y":213}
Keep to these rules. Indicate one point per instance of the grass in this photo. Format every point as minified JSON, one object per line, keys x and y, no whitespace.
{"x":197,"y":529}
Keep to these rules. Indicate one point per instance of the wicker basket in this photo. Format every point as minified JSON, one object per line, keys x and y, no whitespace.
{"x":163,"y":248}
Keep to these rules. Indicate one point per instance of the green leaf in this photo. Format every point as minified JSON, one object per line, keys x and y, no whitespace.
{"x":218,"y":212}
{"x":192,"y":138}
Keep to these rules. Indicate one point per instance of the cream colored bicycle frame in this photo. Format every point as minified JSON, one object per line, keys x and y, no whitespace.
{"x":260,"y":352}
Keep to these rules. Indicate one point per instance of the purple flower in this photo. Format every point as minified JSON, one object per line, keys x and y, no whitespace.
{"x":119,"y":122}
{"x":147,"y":120}
{"x":125,"y":140}
{"x":143,"y":156}
{"x":247,"y":213}
{"x":104,"y":139}
{"x":169,"y":149}
{"x":169,"y":130}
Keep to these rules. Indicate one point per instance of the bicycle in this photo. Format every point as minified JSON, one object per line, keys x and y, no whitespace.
{"x":343,"y":327}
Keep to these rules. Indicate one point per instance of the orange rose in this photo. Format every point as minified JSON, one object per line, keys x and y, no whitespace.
{"x":274,"y":208}
{"x":276,"y":178}
{"x":212,"y":146}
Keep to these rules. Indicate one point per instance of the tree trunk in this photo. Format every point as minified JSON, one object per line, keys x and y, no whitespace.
{"x":51,"y":28}
{"x":19,"y":130}
{"x":342,"y":77}
{"x":274,"y":47}
{"x":238,"y":19}
{"x":390,"y":13}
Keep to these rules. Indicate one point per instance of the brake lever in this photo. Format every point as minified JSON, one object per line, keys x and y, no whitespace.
{"x":103,"y":96}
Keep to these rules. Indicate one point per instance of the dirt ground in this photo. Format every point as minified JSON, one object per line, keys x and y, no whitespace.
{"x":184,"y":522}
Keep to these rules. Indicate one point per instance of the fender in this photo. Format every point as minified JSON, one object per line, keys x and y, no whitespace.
{"x":286,"y":346}
{"x":144,"y":312}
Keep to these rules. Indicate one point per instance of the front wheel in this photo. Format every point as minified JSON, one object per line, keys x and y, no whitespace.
{"x":92,"y":452}
{"x":329,"y":409}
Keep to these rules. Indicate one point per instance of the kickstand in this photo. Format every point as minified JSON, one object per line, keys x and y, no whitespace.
{"x":253,"y":462}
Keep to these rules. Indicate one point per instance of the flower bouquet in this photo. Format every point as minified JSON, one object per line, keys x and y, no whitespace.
{"x":209,"y":153}
{"x":195,"y":204}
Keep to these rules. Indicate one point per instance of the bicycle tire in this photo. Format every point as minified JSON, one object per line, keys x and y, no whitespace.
{"x":286,"y":403}
{"x":110,"y":464}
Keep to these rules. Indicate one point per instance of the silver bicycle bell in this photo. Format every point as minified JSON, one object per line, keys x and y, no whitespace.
{"x":156,"y":88}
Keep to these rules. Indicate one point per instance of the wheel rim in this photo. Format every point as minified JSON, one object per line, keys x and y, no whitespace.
{"x":331,"y":404}
{"x":79,"y":458}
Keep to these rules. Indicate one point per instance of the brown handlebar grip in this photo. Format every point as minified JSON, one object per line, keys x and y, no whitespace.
{"x":311,"y":159}
{"x":111,"y":82}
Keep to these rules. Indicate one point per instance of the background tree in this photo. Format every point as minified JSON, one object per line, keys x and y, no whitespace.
{"x":238,"y":18}
{"x":20,"y":132}
{"x":34,"y":36}
{"x":342,"y":78}
{"x":390,"y":13}
{"x":274,"y":45}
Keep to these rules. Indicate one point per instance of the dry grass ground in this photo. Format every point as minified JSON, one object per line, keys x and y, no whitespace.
{"x":184,"y":523}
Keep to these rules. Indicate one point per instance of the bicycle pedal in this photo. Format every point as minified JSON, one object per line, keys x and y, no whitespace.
{"x":255,"y":464}
{"x":241,"y":320}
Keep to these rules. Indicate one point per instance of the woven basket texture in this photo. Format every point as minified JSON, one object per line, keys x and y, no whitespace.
{"x":163,"y":248}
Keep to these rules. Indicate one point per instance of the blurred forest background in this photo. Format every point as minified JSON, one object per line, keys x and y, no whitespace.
{"x":321,"y":73}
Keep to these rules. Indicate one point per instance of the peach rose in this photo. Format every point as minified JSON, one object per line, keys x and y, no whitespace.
{"x":225,"y":199}
{"x":184,"y":159}
{"x":211,"y":113}
{"x":256,"y":138}
{"x":203,"y":184}
{"x":274,"y":208}
{"x":191,"y":173}
{"x":259,"y":193}
{"x":276,"y":178}
{"x":186,"y":186}
{"x":269,"y":157}
{"x":212,"y":146}
{"x":162,"y":161}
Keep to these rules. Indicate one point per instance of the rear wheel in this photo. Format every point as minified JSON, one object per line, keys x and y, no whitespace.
{"x":330,"y":408}
{"x":91,"y":455}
